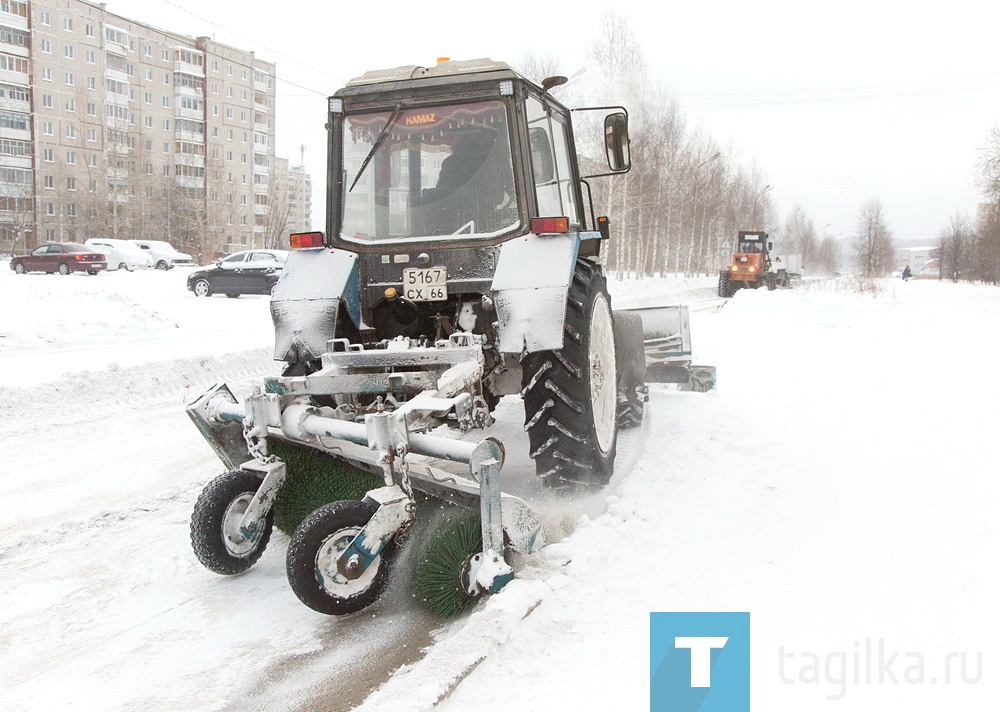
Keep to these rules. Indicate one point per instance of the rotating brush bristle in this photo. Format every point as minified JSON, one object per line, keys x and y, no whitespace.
{"x":314,"y":479}
{"x":437,"y":574}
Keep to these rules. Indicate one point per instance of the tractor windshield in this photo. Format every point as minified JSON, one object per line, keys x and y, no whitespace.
{"x":434,"y":171}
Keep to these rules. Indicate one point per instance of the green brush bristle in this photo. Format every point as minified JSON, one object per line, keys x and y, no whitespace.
{"x":436,"y":578}
{"x":314,"y":479}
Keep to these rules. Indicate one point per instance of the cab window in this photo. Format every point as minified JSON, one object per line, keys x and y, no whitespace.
{"x":550,"y":163}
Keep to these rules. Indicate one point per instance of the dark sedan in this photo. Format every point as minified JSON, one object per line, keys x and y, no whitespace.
{"x":250,"y":272}
{"x":61,"y":257}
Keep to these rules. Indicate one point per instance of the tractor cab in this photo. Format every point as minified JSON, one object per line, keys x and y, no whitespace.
{"x":459,"y":154}
{"x":752,"y":254}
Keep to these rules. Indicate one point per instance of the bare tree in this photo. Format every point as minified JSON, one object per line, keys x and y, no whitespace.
{"x":986,"y":246}
{"x":873,"y":241}
{"x":989,"y":166}
{"x":956,"y":243}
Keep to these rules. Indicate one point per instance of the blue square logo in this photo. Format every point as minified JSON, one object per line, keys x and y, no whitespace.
{"x":699,"y":662}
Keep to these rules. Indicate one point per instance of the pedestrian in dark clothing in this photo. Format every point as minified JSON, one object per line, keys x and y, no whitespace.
{"x":906,"y":273}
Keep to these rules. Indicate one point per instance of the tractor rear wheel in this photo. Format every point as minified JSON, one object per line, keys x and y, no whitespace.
{"x":215,"y":524}
{"x":630,"y":355}
{"x":570,"y":395}
{"x":311,"y":562}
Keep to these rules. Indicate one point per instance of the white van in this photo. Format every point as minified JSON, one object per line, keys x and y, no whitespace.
{"x":164,"y":255}
{"x":121,"y":254}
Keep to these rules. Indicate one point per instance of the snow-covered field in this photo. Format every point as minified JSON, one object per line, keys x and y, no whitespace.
{"x":839,"y":486}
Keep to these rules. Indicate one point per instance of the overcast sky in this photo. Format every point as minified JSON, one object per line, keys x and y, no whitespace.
{"x":835,"y":106}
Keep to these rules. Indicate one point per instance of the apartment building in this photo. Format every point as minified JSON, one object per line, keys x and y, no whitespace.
{"x":293,"y":196}
{"x":112,"y":128}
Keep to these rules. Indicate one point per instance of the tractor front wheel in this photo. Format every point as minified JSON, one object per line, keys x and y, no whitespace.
{"x":570,"y":395}
{"x":317,"y":544}
{"x":725,"y":285}
{"x":216,"y":537}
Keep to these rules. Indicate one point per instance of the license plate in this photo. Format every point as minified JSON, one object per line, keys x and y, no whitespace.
{"x":425,"y":285}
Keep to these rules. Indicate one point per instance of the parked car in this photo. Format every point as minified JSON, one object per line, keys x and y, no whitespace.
{"x":121,"y":254}
{"x":163,"y":254}
{"x":249,"y":272}
{"x":61,"y":257}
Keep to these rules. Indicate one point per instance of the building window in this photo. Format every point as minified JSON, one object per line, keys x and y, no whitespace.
{"x":229,"y":112}
{"x":47,"y":74}
{"x":91,"y":134}
{"x":69,"y":79}
{"x":148,"y":50}
{"x":70,"y":131}
{"x":91,"y":109}
{"x":149,"y":122}
{"x":47,"y":128}
{"x":71,"y":183}
{"x":71,"y":158}
{"x":92,"y":160}
{"x":68,"y":51}
{"x":149,"y":75}
{"x":166,"y":102}
{"x":166,"y":78}
{"x":91,"y":57}
{"x":46,"y":46}
{"x":44,"y":18}
{"x":166,"y":124}
{"x":46,"y":101}
{"x":92,"y":83}
{"x":50,"y":209}
{"x":89,"y":30}
{"x":68,"y":24}
{"x":48,"y":182}
{"x":149,"y":98}
{"x":165,"y":55}
{"x":166,"y":147}
{"x":48,"y":155}
{"x":71,"y":105}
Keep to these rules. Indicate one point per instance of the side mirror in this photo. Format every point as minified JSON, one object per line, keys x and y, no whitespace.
{"x":617,"y":142}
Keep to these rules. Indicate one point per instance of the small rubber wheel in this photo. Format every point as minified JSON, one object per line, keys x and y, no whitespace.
{"x":316,"y":545}
{"x":19,"y":269}
{"x":64,"y":268}
{"x":202,"y":288}
{"x":124,"y":267}
{"x":215,"y":524}
{"x":91,"y":272}
{"x":233,"y":296}
{"x":162,"y":265}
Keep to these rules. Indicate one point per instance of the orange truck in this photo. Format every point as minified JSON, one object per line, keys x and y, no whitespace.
{"x":751,"y":265}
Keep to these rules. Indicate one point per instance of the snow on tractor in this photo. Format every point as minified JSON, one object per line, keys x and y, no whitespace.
{"x":751,"y":266}
{"x":460,"y":264}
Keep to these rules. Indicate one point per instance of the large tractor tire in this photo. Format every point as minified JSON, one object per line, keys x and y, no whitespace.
{"x":570,"y":395}
{"x":726,"y":288}
{"x":311,"y":562}
{"x":630,"y":356}
{"x":215,"y":524}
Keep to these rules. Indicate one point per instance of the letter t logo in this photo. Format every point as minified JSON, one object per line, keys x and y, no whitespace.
{"x":701,"y":657}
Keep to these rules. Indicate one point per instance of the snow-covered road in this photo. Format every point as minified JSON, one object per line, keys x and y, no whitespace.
{"x":838,"y":486}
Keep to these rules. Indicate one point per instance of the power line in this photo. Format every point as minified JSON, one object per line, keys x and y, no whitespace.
{"x":262,"y":46}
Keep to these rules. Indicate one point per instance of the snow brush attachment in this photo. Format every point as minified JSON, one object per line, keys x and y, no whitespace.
{"x":441,"y":564}
{"x":314,"y":479}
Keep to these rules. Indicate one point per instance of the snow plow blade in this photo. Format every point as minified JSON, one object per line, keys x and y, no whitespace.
{"x":667,"y":340}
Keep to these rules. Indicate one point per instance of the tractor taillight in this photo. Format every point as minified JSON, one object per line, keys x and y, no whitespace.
{"x":543,"y":226}
{"x":301,"y":240}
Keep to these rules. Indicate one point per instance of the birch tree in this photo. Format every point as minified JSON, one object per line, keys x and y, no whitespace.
{"x":873,"y":241}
